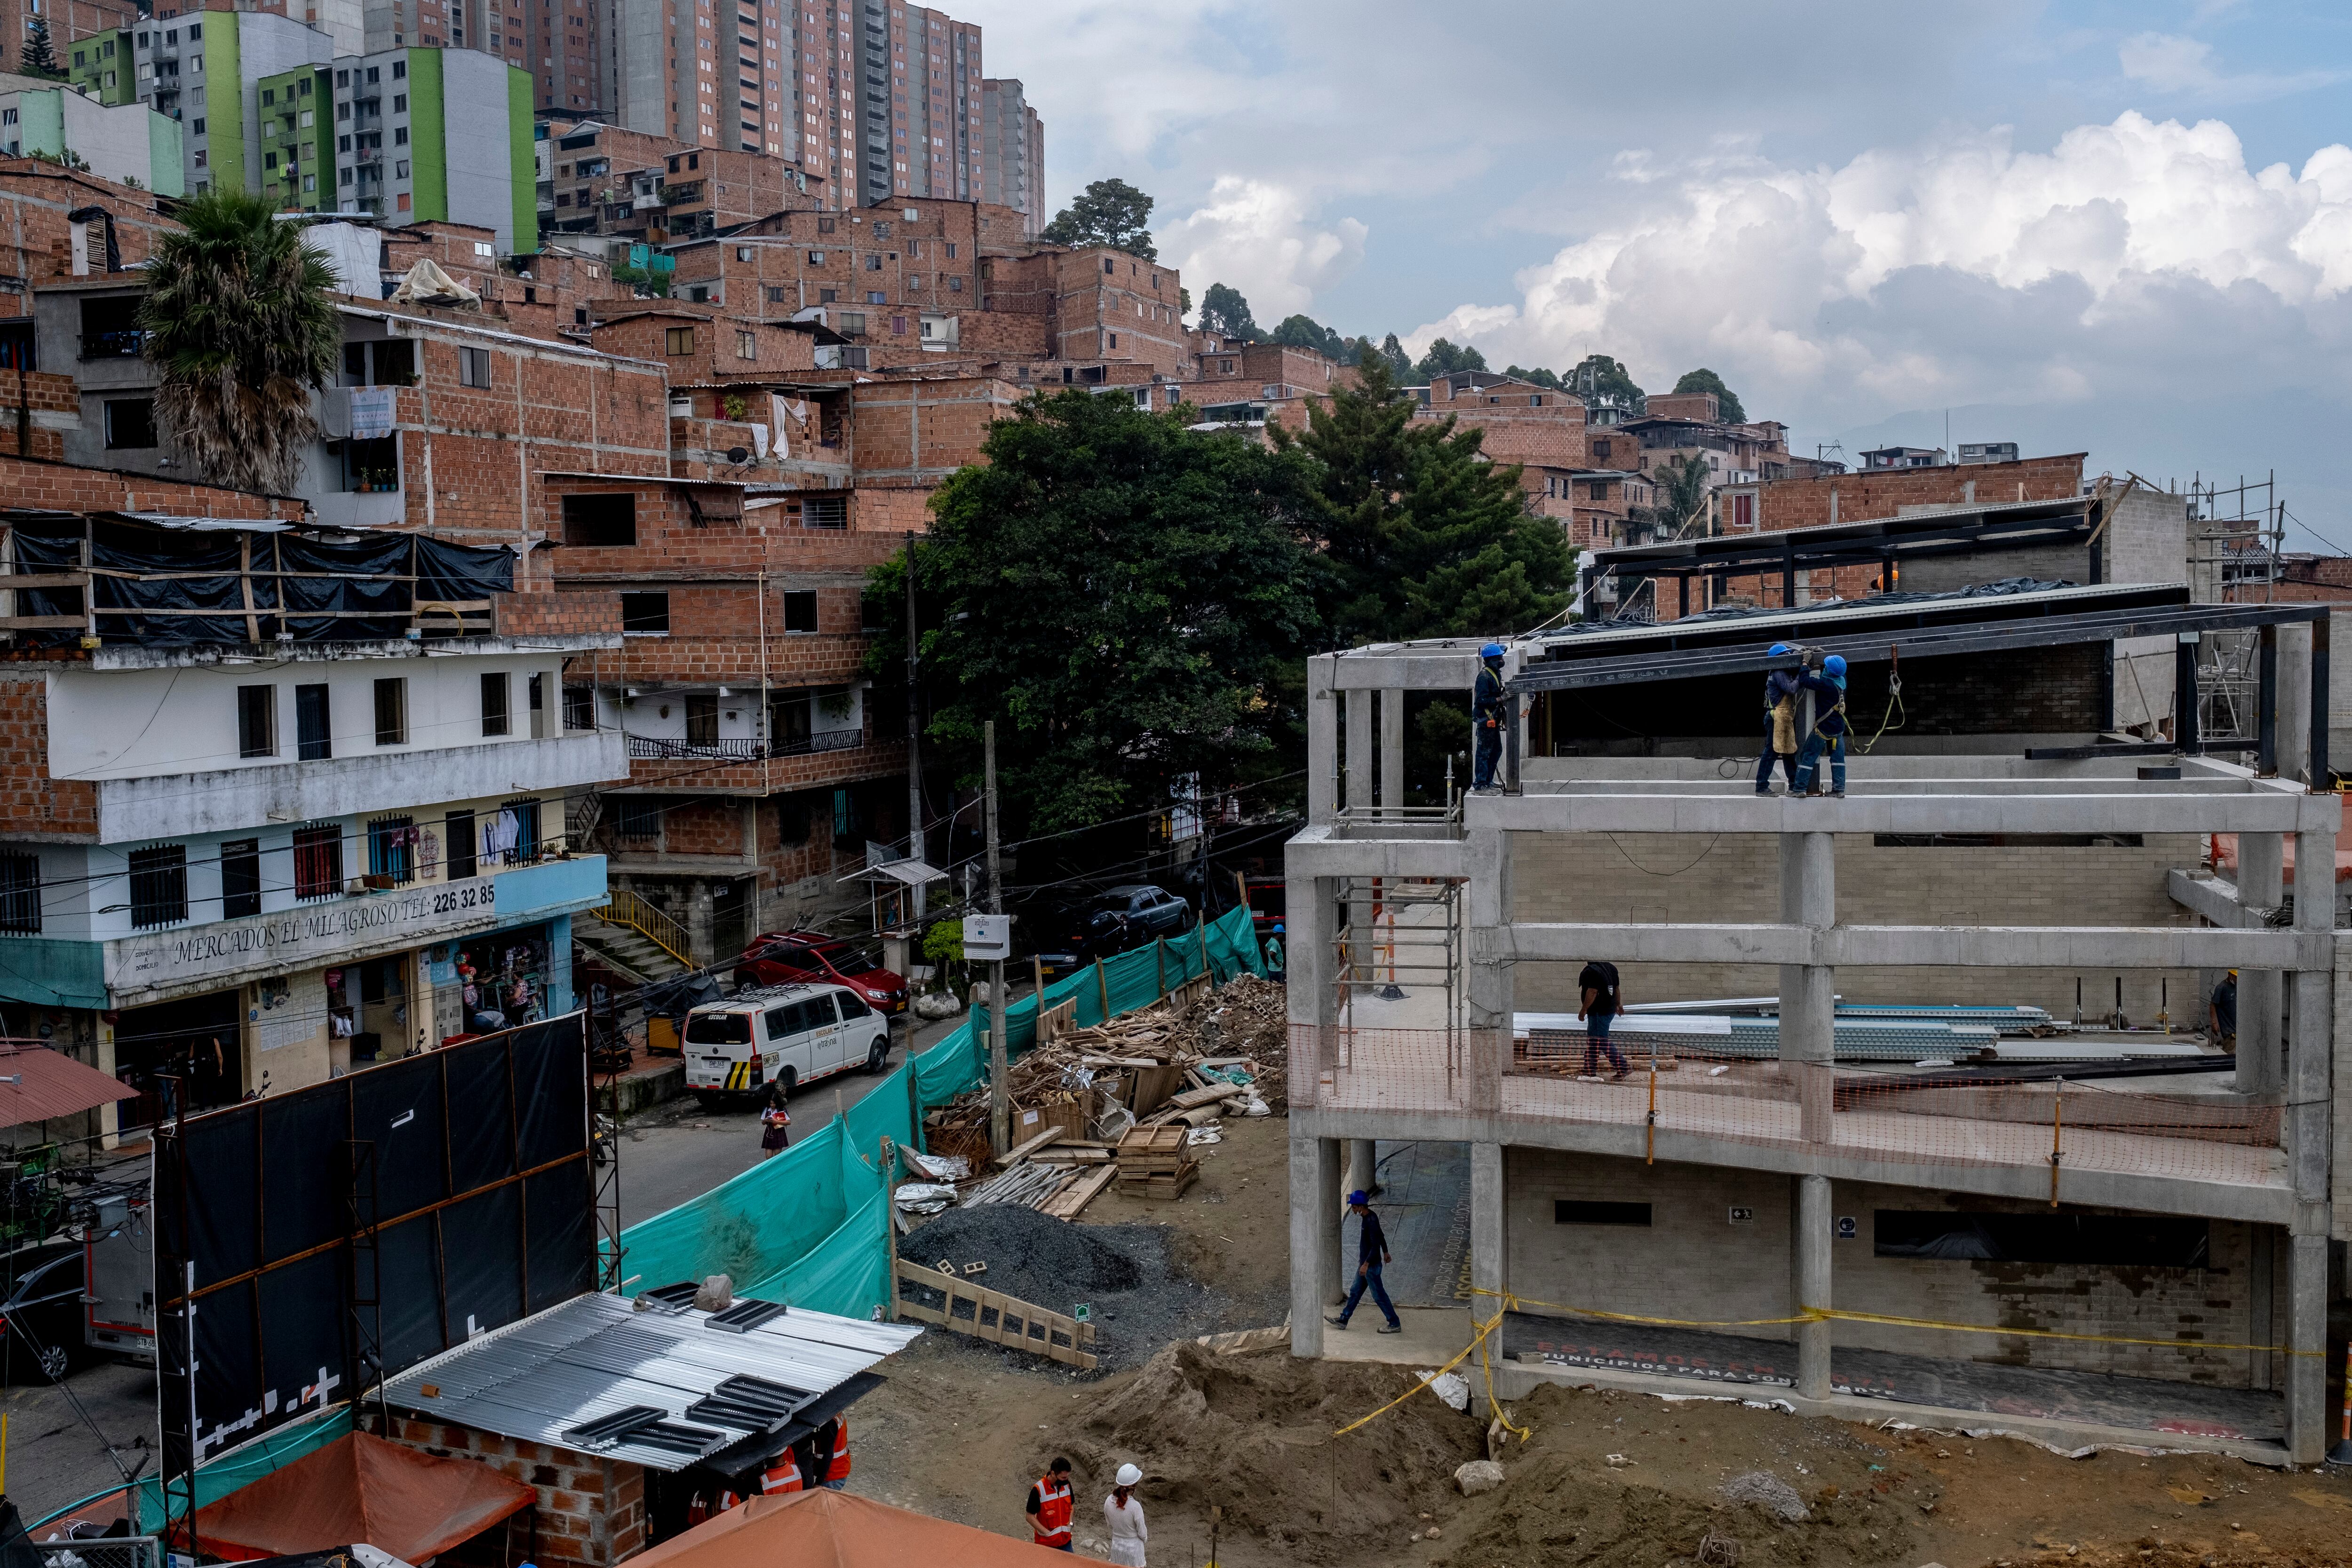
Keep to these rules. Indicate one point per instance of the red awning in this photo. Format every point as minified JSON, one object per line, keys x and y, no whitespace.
{"x":49,"y":1084}
{"x":361,"y":1490}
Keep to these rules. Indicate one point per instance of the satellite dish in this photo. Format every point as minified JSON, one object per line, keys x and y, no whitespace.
{"x":738,"y":455}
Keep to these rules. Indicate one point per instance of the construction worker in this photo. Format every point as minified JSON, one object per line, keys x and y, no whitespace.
{"x":2223,"y":1012}
{"x":1124,"y":1517}
{"x":1274,"y":967}
{"x":1049,"y":1508}
{"x":1781,"y":688}
{"x":1372,"y":1254}
{"x":783,"y":1474}
{"x":1489,"y":713}
{"x":836,"y":1472}
{"x":1830,"y":729}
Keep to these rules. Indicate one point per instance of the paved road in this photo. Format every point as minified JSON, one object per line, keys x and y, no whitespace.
{"x":54,"y":1457}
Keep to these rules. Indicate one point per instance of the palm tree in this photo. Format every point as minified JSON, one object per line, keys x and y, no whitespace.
{"x":240,"y":327}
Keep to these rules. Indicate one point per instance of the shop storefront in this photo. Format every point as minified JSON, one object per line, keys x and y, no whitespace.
{"x":500,"y":979}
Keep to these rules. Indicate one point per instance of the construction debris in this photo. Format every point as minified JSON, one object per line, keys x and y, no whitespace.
{"x":1156,"y":1162}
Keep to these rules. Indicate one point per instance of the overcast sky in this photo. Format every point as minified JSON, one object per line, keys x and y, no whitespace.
{"x":2119,"y":227}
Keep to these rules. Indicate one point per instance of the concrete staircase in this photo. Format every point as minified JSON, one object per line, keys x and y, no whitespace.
{"x":625,"y":949}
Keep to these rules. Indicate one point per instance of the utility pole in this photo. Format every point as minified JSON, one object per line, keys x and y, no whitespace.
{"x":1000,"y":1097}
{"x":914,"y":723}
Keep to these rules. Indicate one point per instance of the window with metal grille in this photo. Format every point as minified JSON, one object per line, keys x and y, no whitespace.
{"x":579,"y":707}
{"x":460,"y":844}
{"x":318,"y":861}
{"x":159,"y":885}
{"x":636,"y":817}
{"x":825,"y":512}
{"x":240,"y":869}
{"x":20,"y":894}
{"x":392,"y":848}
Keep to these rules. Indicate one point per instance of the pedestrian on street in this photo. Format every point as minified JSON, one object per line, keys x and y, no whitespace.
{"x":775,"y":1122}
{"x":1124,"y":1516}
{"x":1831,"y":730}
{"x":1781,"y":688}
{"x":1598,"y":1000}
{"x":1049,"y":1508}
{"x":1275,"y":968}
{"x":2223,"y":1012}
{"x":1372,"y":1252}
{"x":1488,"y":713}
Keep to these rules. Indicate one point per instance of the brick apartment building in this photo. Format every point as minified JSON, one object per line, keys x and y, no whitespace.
{"x":599,"y":179}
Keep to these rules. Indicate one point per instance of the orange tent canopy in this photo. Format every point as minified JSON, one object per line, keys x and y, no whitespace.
{"x":838,"y":1531}
{"x":361,"y":1490}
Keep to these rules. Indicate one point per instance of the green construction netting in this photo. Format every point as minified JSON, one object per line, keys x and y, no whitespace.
{"x":812,"y":1226}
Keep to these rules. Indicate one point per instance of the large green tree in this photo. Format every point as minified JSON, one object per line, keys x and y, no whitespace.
{"x":1107,"y":212}
{"x":1422,"y":535}
{"x":1539,"y":377}
{"x":1444,"y":359}
{"x":1128,"y":599}
{"x":240,"y":327}
{"x":38,"y":57}
{"x":1600,"y":380}
{"x":1225,"y":312}
{"x":1727,"y":401}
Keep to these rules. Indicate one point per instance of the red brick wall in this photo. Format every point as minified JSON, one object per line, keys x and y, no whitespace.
{"x":592,"y":1512}
{"x":1112,"y":306}
{"x":32,"y":804}
{"x":919,"y":432}
{"x":34,"y":241}
{"x":1683,"y":406}
{"x":68,"y":488}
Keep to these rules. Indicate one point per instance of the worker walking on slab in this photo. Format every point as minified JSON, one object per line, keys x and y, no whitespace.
{"x":1598,"y":1000}
{"x":1489,"y":713}
{"x":1781,"y":688}
{"x":1829,"y":730}
{"x":1372,"y":1252}
{"x":2223,"y":1012}
{"x":1049,"y":1508}
{"x":1123,"y":1514}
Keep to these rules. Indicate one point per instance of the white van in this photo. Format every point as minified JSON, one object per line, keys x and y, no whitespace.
{"x":797,"y":1033}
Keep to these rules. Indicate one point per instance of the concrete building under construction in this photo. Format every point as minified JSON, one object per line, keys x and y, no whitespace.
{"x":2090,"y":1221}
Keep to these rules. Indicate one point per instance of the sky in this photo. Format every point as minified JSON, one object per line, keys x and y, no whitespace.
{"x":2118,"y":228}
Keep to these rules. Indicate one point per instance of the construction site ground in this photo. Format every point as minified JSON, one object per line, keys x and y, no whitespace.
{"x":1607,"y":1478}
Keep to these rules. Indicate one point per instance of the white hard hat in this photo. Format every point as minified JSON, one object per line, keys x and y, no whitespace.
{"x":1128,"y":1475}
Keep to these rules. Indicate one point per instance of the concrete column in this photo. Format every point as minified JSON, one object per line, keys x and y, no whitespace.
{"x":1314,"y":1237}
{"x":2307,"y":1437}
{"x":1809,"y":1260}
{"x":1489,"y":988}
{"x":1809,"y":992}
{"x":1308,"y":920}
{"x":2311,"y":1038}
{"x":1490,"y":1237}
{"x":1363,"y":1166}
{"x":2295,"y":701}
{"x":1322,"y":741}
{"x":1360,"y":941}
{"x":2262,"y":1053}
{"x":1392,"y":750}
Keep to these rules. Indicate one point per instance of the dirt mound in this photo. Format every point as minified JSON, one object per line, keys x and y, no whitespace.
{"x":1028,"y":1254}
{"x":1254,"y":1434}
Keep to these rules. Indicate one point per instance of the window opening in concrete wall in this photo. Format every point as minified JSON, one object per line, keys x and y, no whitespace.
{"x":1586,"y":1211}
{"x":2142,"y":1240}
{"x":318,"y":861}
{"x":496,"y":698}
{"x":257,"y":721}
{"x":313,"y":726}
{"x":240,"y":863}
{"x":644,"y":615}
{"x":600,"y":521}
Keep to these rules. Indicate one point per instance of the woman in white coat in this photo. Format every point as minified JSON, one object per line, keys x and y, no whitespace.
{"x":1124,"y":1516}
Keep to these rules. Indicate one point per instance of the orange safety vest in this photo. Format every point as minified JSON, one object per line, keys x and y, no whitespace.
{"x":784,"y":1475}
{"x":839,"y":1470}
{"x":1051,"y":1523}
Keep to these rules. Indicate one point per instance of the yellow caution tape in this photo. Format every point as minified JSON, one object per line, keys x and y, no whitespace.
{"x":1483,"y":1329}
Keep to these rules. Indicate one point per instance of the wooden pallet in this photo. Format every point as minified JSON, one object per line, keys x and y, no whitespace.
{"x":1071,"y":1200}
{"x":1165,"y":1187}
{"x":1154,"y":1151}
{"x":997,"y":1318}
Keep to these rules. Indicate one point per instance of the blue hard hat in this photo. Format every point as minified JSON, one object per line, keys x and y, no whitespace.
{"x":1834,"y":663}
{"x":1359,"y":1198}
{"x":1277,"y":928}
{"x":1778,"y":648}
{"x":1491,"y":651}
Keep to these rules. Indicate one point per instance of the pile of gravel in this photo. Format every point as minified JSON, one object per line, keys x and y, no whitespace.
{"x":1123,"y":1275}
{"x":1769,"y":1492}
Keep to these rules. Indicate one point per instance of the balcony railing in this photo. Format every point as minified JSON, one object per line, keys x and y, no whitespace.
{"x":125,"y":343}
{"x":750,"y":750}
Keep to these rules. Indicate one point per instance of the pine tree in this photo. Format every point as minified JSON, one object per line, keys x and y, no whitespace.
{"x":38,"y":58}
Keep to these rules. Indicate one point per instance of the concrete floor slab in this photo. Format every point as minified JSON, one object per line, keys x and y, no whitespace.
{"x":1432,"y":1337}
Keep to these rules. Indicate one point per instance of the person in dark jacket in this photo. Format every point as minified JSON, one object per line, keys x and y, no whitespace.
{"x":1599,"y":999}
{"x":775,"y":1122}
{"x":1781,"y":688}
{"x":1829,"y":730}
{"x":1372,"y":1252}
{"x":1488,"y":712}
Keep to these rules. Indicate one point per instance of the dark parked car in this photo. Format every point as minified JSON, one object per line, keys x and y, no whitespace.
{"x":1111,"y":921}
{"x":789,"y":958}
{"x":41,"y":1314}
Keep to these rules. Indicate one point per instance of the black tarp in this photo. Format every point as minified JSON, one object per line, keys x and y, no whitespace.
{"x":482,"y":1203}
{"x":197,"y":567}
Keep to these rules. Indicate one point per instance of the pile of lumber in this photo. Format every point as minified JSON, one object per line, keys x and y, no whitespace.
{"x":1156,"y":1162}
{"x":1050,"y":1174}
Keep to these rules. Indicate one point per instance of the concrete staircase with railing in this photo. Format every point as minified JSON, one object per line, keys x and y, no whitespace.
{"x":635,"y":938}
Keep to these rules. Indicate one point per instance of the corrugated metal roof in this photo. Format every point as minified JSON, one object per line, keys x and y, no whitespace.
{"x":594,"y":1356}
{"x":49,"y":1084}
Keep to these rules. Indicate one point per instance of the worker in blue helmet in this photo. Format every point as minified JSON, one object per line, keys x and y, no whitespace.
{"x":1830,"y":729}
{"x":1781,"y":688}
{"x":1275,"y":965}
{"x":1488,"y":713}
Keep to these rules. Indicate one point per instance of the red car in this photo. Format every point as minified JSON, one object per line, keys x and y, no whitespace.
{"x":784,"y":957}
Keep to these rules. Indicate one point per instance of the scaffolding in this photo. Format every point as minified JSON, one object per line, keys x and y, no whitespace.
{"x":2236,"y":534}
{"x":1393,"y":933}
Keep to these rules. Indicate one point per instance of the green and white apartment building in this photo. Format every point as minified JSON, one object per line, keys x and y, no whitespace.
{"x":126,"y":141}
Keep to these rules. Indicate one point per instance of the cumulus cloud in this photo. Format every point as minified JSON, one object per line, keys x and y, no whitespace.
{"x":2171,"y":64}
{"x":1264,"y":240}
{"x":1963,"y":269}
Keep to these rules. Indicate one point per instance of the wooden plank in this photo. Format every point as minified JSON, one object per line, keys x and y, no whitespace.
{"x":1013,"y":1156}
{"x":40,"y":623}
{"x":1072,"y":1202}
{"x":1193,"y":1098}
{"x":45,"y":580}
{"x":1017,"y":1323}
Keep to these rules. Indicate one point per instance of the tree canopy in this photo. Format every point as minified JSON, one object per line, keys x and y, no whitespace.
{"x":1225,"y":312}
{"x":1123,"y":596}
{"x":1542,"y":378}
{"x":1442,"y":359}
{"x":1107,"y":212}
{"x":38,"y":57}
{"x":1422,"y":535}
{"x":1727,"y":401}
{"x":1598,"y":379}
{"x":1303,"y":331}
{"x":240,"y":327}
{"x":1682,"y":489}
